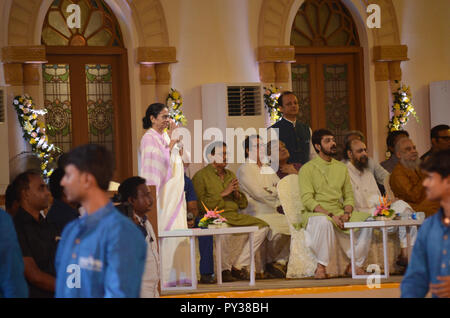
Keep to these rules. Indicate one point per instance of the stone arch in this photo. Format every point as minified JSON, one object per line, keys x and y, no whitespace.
{"x":382,"y":49}
{"x":148,"y":16}
{"x":276,"y":19}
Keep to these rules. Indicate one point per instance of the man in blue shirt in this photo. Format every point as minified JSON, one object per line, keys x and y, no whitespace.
{"x":429,"y":267}
{"x":12,"y":279}
{"x":103,"y":253}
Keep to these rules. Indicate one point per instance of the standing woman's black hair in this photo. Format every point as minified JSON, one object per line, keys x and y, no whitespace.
{"x":152,"y":110}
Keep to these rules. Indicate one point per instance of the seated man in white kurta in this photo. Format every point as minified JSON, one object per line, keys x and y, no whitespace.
{"x":367,"y":193}
{"x":259,"y":183}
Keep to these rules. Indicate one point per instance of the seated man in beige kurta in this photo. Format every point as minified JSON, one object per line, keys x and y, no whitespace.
{"x":327,"y":196}
{"x":218,"y":187}
{"x":406,"y":179}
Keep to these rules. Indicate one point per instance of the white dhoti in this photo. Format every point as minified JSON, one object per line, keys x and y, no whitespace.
{"x":236,"y":249}
{"x":323,"y":238}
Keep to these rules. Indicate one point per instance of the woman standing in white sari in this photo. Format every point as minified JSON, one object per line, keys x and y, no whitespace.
{"x":161,"y":165}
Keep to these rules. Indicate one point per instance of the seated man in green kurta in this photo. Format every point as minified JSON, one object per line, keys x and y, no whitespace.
{"x":218,"y":187}
{"x":327,"y":197}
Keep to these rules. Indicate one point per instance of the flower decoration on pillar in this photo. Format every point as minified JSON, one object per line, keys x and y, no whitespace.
{"x":174,"y":101}
{"x":271,"y":95}
{"x":401,"y":109}
{"x":34,"y":132}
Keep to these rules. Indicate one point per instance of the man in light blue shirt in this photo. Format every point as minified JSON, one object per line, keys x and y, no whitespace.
{"x":12,"y":279}
{"x":103,"y":253}
{"x":429,"y":267}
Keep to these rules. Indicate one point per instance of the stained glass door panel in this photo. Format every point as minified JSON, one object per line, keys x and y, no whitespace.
{"x":325,"y":87}
{"x":336,"y":84}
{"x":301,"y":86}
{"x":57,"y":101}
{"x":100,"y":104}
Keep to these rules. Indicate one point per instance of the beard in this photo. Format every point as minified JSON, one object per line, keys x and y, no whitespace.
{"x":332,"y":152}
{"x":361,"y":163}
{"x":410,"y":164}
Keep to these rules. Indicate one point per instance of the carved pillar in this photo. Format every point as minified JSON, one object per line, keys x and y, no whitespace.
{"x":21,"y":66}
{"x":274,"y":65}
{"x":154,"y":73}
{"x":387,"y":61}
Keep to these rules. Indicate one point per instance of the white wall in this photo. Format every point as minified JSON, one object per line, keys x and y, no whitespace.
{"x":216,"y":41}
{"x":424,"y":27}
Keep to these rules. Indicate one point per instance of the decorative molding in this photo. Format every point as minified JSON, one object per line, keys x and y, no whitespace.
{"x":390,"y":53}
{"x":147,"y":74}
{"x":276,"y":54}
{"x":267,"y":72}
{"x":381,"y":71}
{"x":24,"y":54}
{"x":156,"y":55}
{"x":13,"y":74}
{"x":162,"y":74}
{"x":31,"y":74}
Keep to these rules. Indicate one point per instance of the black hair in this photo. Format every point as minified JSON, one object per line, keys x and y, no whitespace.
{"x":22,"y":182}
{"x":55,"y":183}
{"x":285,"y":93}
{"x":93,"y":159}
{"x":152,"y":110}
{"x":247,"y":144}
{"x":438,"y":162}
{"x":211,"y":149}
{"x":11,"y":196}
{"x":128,"y":188}
{"x":436,"y":129}
{"x":317,"y":135}
{"x":390,"y":140}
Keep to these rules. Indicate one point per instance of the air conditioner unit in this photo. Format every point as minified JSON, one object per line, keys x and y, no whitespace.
{"x":233,"y":105}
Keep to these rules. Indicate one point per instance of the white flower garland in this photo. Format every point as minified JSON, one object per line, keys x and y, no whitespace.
{"x":34,"y":132}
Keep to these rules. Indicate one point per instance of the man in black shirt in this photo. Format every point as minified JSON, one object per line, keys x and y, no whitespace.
{"x":37,"y":237}
{"x":295,"y":135}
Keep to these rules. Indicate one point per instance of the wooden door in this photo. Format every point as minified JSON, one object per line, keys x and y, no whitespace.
{"x":95,"y":105}
{"x":330,"y":92}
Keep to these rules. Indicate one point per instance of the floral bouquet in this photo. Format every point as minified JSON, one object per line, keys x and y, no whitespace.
{"x":271,"y":95}
{"x":174,"y":101}
{"x":383,"y":210}
{"x":402,"y":108}
{"x":34,"y":131}
{"x":211,"y":217}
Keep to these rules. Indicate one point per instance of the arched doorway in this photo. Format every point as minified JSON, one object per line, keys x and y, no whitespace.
{"x":327,"y":75}
{"x":86,"y":87}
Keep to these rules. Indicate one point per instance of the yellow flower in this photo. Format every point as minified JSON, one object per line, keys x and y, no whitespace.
{"x":396,"y":106}
{"x":175,"y":95}
{"x":32,"y":141}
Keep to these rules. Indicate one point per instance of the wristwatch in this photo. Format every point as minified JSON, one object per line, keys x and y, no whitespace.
{"x":330,"y":215}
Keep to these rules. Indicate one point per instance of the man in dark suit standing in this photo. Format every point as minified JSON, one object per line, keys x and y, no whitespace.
{"x":295,"y":135}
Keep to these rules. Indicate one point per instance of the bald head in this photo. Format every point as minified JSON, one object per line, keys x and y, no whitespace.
{"x":406,"y":151}
{"x":357,"y":153}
